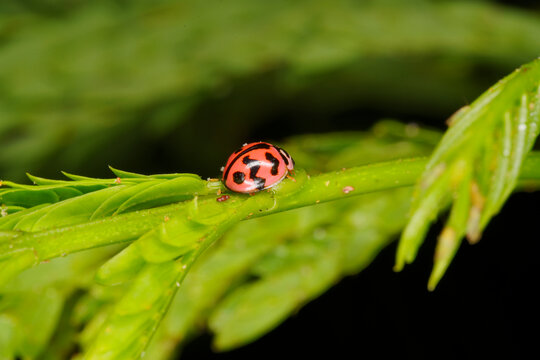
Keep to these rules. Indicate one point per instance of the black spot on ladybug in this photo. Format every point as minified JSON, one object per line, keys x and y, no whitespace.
{"x":245,"y":151}
{"x":275,"y":163}
{"x":259,"y":183}
{"x":238,"y":177}
{"x":256,"y":146}
{"x":284,"y":155}
{"x":254,"y":166}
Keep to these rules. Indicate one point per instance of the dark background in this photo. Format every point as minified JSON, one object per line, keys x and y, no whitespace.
{"x":485,"y":306}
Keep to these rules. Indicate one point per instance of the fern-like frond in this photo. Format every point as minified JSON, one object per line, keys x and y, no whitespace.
{"x":148,"y":232}
{"x":475,"y":167}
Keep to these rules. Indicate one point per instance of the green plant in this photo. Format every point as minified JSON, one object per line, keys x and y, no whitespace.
{"x":151,"y":231}
{"x":475,"y":167}
{"x":147,"y":68}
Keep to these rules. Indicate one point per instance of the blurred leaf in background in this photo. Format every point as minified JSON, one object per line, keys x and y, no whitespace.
{"x":130,"y":82}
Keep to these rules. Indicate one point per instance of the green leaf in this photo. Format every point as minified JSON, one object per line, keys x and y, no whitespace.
{"x":129,"y":327}
{"x":9,"y":222}
{"x":113,"y":203}
{"x":9,"y":338}
{"x":254,"y":309}
{"x":131,"y":175}
{"x":171,"y":239}
{"x":126,"y":174}
{"x":35,"y":316}
{"x":122,"y":267}
{"x":16,"y":263}
{"x":475,"y":167}
{"x":164,"y":192}
{"x":27,"y":198}
{"x":68,"y":212}
{"x":223,"y":265}
{"x":126,"y":332}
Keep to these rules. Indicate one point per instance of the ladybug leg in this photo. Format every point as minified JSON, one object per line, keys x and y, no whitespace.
{"x":290,"y":177}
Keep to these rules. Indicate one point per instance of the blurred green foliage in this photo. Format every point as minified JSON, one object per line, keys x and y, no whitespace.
{"x":76,"y":77}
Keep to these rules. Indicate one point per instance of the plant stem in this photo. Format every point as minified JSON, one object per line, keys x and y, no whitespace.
{"x":316,"y":189}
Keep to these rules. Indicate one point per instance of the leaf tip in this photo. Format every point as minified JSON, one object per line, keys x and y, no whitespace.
{"x":398,"y":266}
{"x":432,"y":283}
{"x":31,"y":177}
{"x":447,"y":245}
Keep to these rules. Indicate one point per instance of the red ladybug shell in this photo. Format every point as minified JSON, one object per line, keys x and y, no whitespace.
{"x":255,"y":167}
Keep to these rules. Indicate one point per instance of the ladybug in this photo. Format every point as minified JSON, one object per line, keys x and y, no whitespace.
{"x":255,"y":167}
